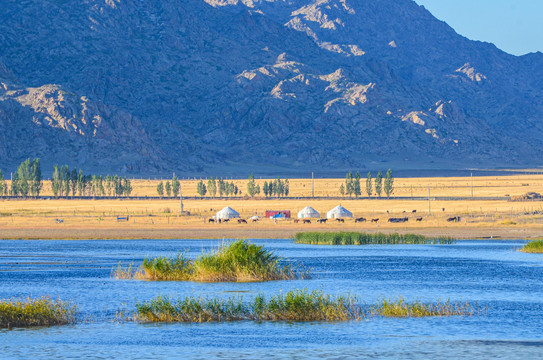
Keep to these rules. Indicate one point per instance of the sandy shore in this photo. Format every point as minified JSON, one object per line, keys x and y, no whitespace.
{"x":260,"y":232}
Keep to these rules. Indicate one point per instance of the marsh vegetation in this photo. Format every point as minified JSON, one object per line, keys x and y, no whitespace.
{"x":295,"y":305}
{"x":535,"y":246}
{"x":238,"y":261}
{"x":358,"y":238}
{"x":28,"y":312}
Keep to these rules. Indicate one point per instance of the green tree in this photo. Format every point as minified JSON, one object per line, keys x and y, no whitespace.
{"x":251,"y":186}
{"x":378,"y":184}
{"x":356,"y":185}
{"x":342,"y":189}
{"x":109,"y":184}
{"x":168,"y":189}
{"x":212,"y":186}
{"x":80,"y":183}
{"x":160,"y":189}
{"x":3,"y":185}
{"x":176,"y":186}
{"x":55,"y":181}
{"x":286,"y":189}
{"x":222,"y":188}
{"x":201,"y":188}
{"x":389,"y":183}
{"x":265,"y":188}
{"x":127,"y":187}
{"x":369,"y":184}
{"x":65,"y":171}
{"x":349,"y":184}
{"x":73,"y":181}
{"x":257,"y":190}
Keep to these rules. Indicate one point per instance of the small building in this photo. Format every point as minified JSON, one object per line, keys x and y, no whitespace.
{"x":308,"y":212}
{"x":339,"y":212}
{"x":279,"y":213}
{"x":227,"y":213}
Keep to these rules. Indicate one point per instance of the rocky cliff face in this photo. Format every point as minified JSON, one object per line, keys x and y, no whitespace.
{"x":225,"y":86}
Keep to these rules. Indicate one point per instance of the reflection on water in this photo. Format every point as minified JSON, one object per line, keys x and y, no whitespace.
{"x":491,"y":274}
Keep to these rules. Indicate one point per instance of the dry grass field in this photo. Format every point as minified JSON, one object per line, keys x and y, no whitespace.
{"x":161,"y":219}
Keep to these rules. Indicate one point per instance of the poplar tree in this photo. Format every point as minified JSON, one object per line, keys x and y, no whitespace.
{"x":379,"y":184}
{"x":160,"y":189}
{"x":389,"y":183}
{"x":369,"y":185}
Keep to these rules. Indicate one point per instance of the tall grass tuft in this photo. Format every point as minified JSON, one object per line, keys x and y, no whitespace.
{"x":533,"y":247}
{"x":358,"y":238}
{"x":35,"y":312}
{"x":239,"y":261}
{"x":400,"y":309}
{"x":295,"y":305}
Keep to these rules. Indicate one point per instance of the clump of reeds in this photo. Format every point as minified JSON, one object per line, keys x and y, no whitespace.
{"x":295,"y":305}
{"x":400,"y":308}
{"x":358,"y":238}
{"x":238,"y":261}
{"x":535,"y":246}
{"x":35,"y":312}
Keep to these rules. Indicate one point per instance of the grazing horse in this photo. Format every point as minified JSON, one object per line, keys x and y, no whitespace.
{"x":225,"y":220}
{"x":454,"y":219}
{"x":322,"y":221}
{"x":254,"y":220}
{"x":306,"y":221}
{"x":211,"y":220}
{"x":340,"y":220}
{"x":414,"y":211}
{"x":375,"y":220}
{"x":360,"y":219}
{"x":296,"y":221}
{"x":242,"y":221}
{"x":419,"y":219}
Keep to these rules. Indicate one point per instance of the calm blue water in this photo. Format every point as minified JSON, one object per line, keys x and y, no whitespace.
{"x":491,"y":274}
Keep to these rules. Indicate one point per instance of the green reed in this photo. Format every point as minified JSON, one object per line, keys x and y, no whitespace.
{"x":399,"y":308}
{"x":358,"y":238}
{"x":295,"y":305}
{"x":19,"y":312}
{"x":535,"y":246}
{"x":238,"y":261}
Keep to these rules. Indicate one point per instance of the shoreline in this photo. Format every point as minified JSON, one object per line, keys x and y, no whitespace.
{"x":235,"y":232}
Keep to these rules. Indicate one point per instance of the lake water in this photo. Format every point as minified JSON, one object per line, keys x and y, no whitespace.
{"x":491,"y":274}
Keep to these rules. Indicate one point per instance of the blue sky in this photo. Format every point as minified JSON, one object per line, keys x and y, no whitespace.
{"x":515,"y":26}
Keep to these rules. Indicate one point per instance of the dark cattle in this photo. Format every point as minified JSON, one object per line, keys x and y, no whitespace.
{"x":454,"y":219}
{"x":419,"y":219}
{"x":322,"y":221}
{"x":242,"y":221}
{"x":414,"y":211}
{"x":225,"y":220}
{"x":340,"y":220}
{"x":374,"y":220}
{"x":361,"y":219}
{"x":254,"y":220}
{"x":306,"y":221}
{"x":211,"y":220}
{"x":296,"y":221}
{"x":398,"y":220}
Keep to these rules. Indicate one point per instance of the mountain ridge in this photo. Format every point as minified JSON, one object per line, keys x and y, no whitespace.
{"x":222,"y":86}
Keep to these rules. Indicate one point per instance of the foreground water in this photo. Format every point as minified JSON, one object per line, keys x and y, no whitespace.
{"x":492,"y":274}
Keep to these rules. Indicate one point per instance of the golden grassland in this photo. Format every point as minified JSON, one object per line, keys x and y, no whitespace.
{"x":160,"y":218}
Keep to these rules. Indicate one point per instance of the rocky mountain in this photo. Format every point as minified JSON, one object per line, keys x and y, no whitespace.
{"x":275,"y":86}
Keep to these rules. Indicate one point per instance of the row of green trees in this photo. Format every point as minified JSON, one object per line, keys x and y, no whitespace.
{"x":26,"y":181}
{"x":213,"y":185}
{"x":66,"y":182}
{"x":170,"y":188}
{"x":278,"y":187}
{"x":352,"y":184}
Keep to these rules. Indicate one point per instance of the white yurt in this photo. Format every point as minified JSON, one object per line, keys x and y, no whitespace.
{"x":227,"y":213}
{"x":339,"y":212}
{"x":308,"y":212}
